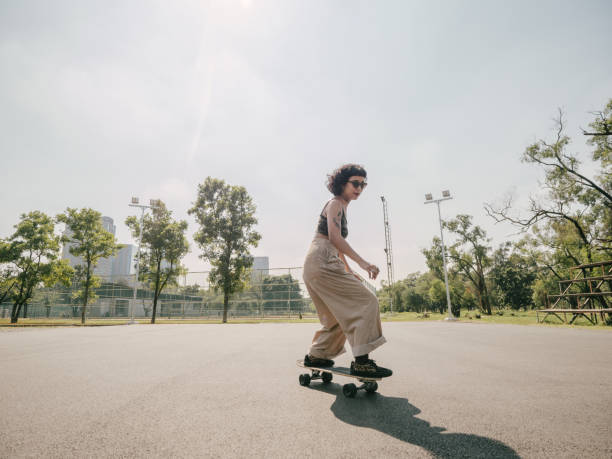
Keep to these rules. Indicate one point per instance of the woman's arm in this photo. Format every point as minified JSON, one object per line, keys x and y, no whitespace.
{"x":334,"y":222}
{"x":348,"y":268}
{"x":343,"y":258}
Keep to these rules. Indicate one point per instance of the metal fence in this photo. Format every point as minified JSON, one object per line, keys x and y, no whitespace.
{"x":269,"y":293}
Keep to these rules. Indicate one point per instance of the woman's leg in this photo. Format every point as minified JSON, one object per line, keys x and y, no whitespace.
{"x":328,"y":341}
{"x":343,"y":302}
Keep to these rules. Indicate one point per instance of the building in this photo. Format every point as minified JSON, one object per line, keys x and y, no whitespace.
{"x":109,"y":225}
{"x":261,"y":269}
{"x":124,"y":263}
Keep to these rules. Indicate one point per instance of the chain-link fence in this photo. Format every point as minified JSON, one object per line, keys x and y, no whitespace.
{"x":268,"y":293}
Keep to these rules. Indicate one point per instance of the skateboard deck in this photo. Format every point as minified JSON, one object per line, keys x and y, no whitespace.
{"x":325,"y":374}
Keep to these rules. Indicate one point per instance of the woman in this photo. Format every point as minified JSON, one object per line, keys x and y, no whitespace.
{"x":346,"y":308}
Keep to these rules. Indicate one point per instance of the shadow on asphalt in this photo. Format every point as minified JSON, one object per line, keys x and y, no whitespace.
{"x":396,"y":417}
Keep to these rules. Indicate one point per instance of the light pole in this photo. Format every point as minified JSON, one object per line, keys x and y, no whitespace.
{"x":428,"y":200}
{"x":142,"y":207}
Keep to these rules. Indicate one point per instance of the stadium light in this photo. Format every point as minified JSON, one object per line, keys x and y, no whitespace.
{"x":429,"y":200}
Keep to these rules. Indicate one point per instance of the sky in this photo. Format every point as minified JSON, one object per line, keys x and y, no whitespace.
{"x":102,"y":101}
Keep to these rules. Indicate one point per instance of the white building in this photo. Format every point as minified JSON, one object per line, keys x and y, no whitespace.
{"x":124,"y":263}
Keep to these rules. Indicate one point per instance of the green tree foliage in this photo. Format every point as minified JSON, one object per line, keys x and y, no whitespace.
{"x":577,"y":206}
{"x":470,"y":256}
{"x":437,"y":295}
{"x":281,"y":292}
{"x":31,"y":257}
{"x":226,"y":215}
{"x":90,"y":241}
{"x":459,"y":295}
{"x":192,"y":290}
{"x":602,"y":156}
{"x":8,"y":279}
{"x":571,"y":223}
{"x":163,"y":245}
{"x":433,"y":258}
{"x":513,"y":276}
{"x":414,"y":294}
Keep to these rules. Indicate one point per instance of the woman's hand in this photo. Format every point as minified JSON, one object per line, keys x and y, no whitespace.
{"x":371,"y":269}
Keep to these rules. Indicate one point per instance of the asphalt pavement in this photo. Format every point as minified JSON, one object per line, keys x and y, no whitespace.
{"x":458,"y":390}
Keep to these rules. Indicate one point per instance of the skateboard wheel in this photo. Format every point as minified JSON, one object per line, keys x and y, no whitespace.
{"x":349,"y":390}
{"x":371,"y":387}
{"x":327,"y":377}
{"x":304,"y":379}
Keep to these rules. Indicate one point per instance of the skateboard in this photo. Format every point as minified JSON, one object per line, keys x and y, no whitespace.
{"x":370,"y":385}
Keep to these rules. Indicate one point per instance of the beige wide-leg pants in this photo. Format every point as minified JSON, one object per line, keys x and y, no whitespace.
{"x":346,"y":308}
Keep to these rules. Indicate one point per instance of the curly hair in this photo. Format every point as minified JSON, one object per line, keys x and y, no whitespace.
{"x":338,"y":178}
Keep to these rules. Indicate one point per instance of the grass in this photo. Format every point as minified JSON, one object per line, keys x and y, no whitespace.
{"x":508,"y":317}
{"x":513,"y":318}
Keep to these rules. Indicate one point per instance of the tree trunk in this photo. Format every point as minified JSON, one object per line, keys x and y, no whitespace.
{"x":154,"y":310}
{"x":87,"y":281}
{"x":225,"y":304}
{"x":156,"y":292}
{"x":15,"y":313}
{"x":485,"y":292}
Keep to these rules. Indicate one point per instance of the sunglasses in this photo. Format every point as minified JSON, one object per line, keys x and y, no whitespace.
{"x":358,"y":184}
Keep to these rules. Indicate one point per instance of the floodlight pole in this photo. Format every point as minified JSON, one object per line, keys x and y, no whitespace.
{"x":429,"y":200}
{"x":132,"y":306}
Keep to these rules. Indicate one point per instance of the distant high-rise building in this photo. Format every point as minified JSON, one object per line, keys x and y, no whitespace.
{"x":261,"y":268}
{"x":109,"y":225}
{"x":124,"y":263}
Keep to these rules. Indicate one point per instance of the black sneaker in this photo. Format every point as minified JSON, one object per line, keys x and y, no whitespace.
{"x":369,"y":369}
{"x":310,"y":361}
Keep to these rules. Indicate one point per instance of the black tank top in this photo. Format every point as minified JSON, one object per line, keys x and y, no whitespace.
{"x":322,"y":226}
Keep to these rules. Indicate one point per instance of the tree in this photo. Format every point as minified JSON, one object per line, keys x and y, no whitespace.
{"x":437,"y":295}
{"x":410,"y":298}
{"x":162,"y":247}
{"x":88,"y":239}
{"x":414,"y":293}
{"x":513,"y":276}
{"x":601,"y":139}
{"x":7,"y":275}
{"x":575,"y":201}
{"x":280,"y":292}
{"x":434,"y":259}
{"x":192,"y":290}
{"x":32,"y":254}
{"x":226,"y":215}
{"x":470,"y":256}
{"x":456,"y":286}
